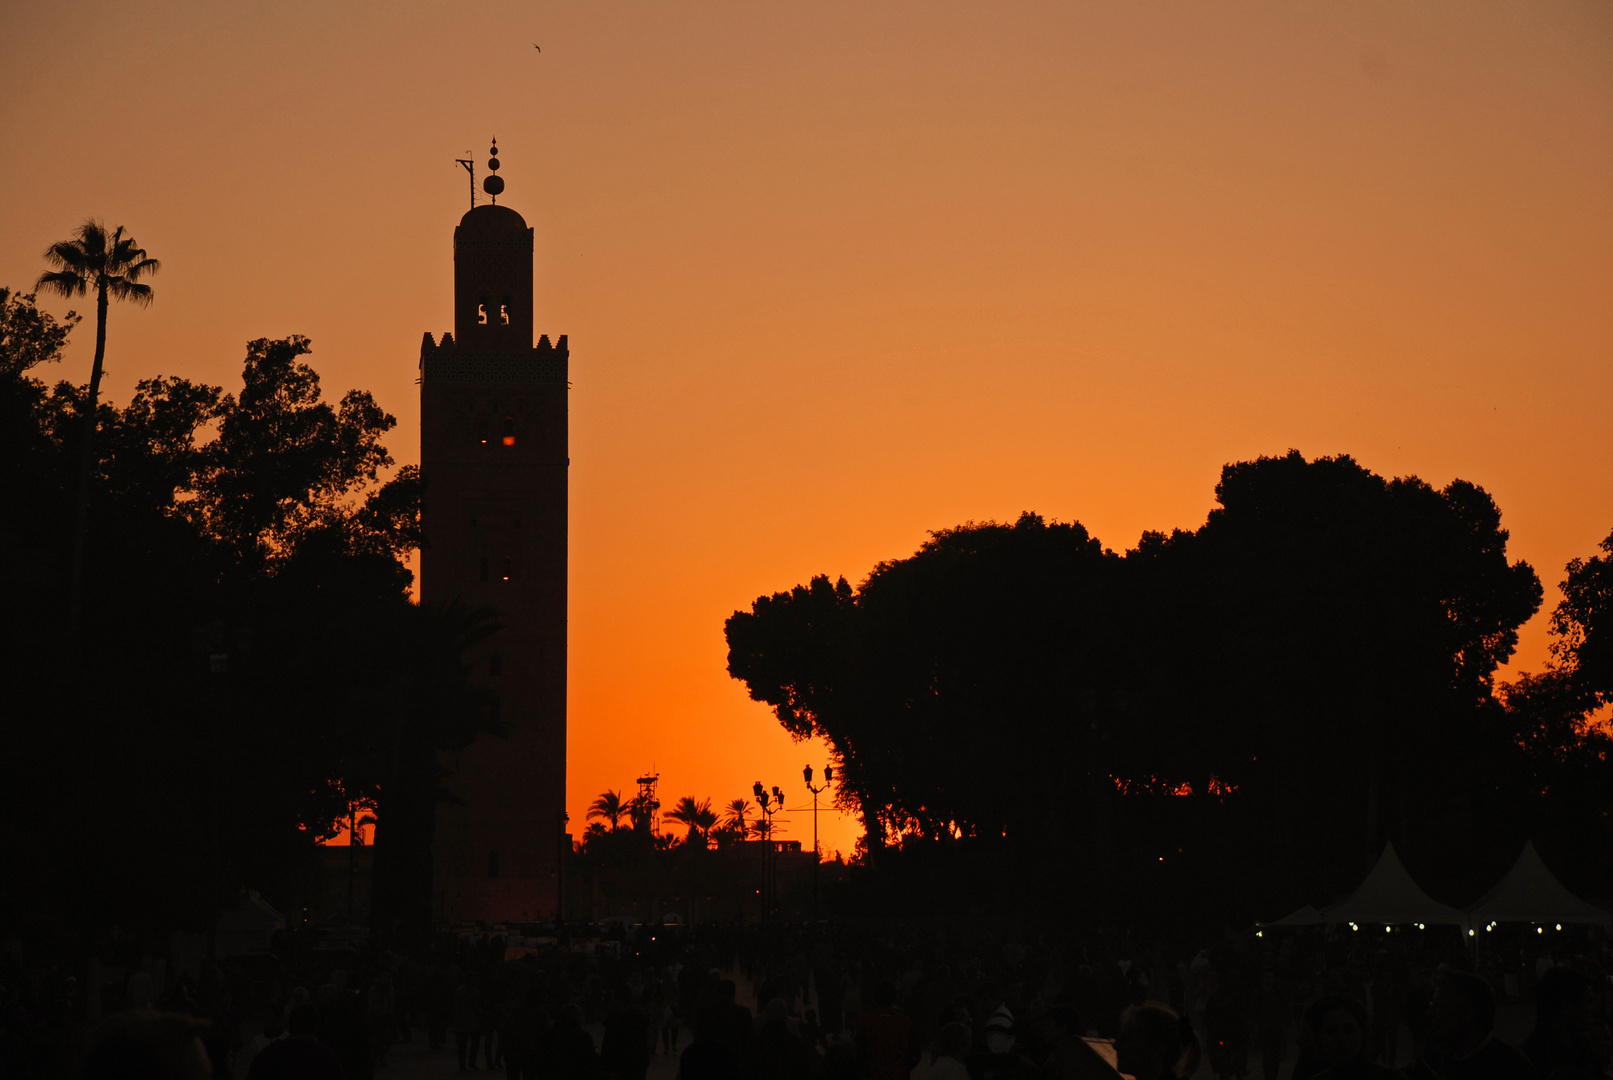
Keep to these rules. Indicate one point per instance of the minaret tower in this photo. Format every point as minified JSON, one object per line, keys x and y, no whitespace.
{"x":493,"y":452}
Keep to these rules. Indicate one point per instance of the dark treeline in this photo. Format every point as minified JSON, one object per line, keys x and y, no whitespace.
{"x":1245,"y":712}
{"x":249,"y":661}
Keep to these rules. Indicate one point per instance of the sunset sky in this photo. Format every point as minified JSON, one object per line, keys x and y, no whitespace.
{"x":838,"y":274}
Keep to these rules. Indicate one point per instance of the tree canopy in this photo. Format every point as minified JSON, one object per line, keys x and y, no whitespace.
{"x":1307,"y":674}
{"x":251,"y":660}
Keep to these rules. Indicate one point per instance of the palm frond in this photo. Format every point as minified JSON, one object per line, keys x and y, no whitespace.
{"x":121,"y":288}
{"x":62,"y":282}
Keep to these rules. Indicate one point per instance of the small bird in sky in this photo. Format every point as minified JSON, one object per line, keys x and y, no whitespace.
{"x":538,"y":47}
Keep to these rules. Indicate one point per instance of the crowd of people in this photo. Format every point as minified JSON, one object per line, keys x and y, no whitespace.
{"x":875,"y":1000}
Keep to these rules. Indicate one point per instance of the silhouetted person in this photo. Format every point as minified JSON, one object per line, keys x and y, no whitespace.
{"x":274,"y":1026}
{"x":1461,"y":1033}
{"x":778,"y":1053}
{"x":1339,"y":1032}
{"x":300,"y":1055}
{"x":566,"y":1051}
{"x":522,"y":1031}
{"x":624,"y":1052}
{"x":1226,"y":1031}
{"x":952,"y":1055}
{"x":1559,"y":1047}
{"x":467,"y":1022}
{"x":146,"y":1045}
{"x":1155,"y":1044}
{"x":726,"y":1021}
{"x":887,"y":1045}
{"x":1599,"y":1035}
{"x":1069,"y":1057}
{"x":707,"y":1059}
{"x":1271,"y":1025}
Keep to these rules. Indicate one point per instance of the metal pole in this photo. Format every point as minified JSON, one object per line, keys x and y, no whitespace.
{"x":816,"y":856}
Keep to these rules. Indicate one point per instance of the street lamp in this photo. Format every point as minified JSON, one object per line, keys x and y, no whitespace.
{"x":817,"y":857}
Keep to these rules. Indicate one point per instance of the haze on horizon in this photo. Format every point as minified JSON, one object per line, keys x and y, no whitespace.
{"x":837,"y":276}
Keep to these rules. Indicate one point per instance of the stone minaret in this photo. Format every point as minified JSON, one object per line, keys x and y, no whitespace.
{"x":493,"y":452}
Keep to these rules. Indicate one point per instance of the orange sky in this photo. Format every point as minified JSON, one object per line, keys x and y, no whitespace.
{"x":836,"y":274}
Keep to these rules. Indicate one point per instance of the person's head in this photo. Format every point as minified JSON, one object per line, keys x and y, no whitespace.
{"x":1339,"y":1027}
{"x":1461,"y":1014}
{"x":303,"y":1022}
{"x":1154,"y":1042}
{"x":1563,"y":997}
{"x":1063,"y":1023}
{"x":145,"y":1045}
{"x":954,"y":1041}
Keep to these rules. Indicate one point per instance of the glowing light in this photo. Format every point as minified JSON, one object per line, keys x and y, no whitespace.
{"x":509,"y":440}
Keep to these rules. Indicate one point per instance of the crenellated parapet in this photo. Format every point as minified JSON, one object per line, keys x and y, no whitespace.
{"x":445,"y":362}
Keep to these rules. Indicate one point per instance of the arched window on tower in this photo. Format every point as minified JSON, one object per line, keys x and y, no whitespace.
{"x":509,"y":431}
{"x":504,"y":311}
{"x":481,"y":312}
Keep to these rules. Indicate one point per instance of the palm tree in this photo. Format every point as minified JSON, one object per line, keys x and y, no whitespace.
{"x":694,"y":814}
{"x":111,"y":265}
{"x":608,"y":807}
{"x":705,"y":818}
{"x":733,"y":819}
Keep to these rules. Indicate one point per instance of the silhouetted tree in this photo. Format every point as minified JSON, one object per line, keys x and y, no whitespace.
{"x":607,"y":806}
{"x":696,"y":815}
{"x":254,"y":668}
{"x":1314,"y":665}
{"x":111,"y":265}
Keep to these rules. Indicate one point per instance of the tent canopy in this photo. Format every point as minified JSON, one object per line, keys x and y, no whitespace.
{"x":1531,"y":893}
{"x":1390,"y":896}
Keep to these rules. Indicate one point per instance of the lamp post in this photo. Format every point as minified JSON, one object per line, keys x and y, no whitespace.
{"x":817,"y":856}
{"x":761,"y":801}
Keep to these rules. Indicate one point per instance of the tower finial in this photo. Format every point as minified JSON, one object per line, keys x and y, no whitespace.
{"x":494,"y":184}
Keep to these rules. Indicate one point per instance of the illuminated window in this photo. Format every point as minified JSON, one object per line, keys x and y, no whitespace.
{"x":506,"y":568}
{"x":504,"y":311}
{"x":484,"y":568}
{"x":481,"y":312}
{"x":509,"y":431}
{"x":492,"y":864}
{"x":495,"y":666}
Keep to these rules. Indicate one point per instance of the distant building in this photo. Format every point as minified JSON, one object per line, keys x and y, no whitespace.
{"x":493,"y":453}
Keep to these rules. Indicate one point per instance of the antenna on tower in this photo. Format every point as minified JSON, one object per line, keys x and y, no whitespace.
{"x":648,"y":804}
{"x":470,"y":167}
{"x":494,"y":184}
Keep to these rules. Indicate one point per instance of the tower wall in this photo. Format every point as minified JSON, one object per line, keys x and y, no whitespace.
{"x":494,"y":455}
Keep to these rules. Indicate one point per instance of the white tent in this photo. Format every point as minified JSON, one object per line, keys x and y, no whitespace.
{"x":1530,"y":893}
{"x":1389,"y":896}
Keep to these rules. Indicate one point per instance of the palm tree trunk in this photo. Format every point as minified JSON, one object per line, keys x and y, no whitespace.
{"x":81,"y":512}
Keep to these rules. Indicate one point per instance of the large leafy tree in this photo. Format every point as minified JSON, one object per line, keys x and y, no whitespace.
{"x":258,"y":663}
{"x":1313,"y":665}
{"x":111,"y":265}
